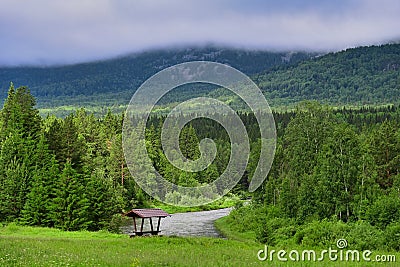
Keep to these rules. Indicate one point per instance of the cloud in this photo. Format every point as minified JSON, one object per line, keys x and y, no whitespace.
{"x":57,"y":32}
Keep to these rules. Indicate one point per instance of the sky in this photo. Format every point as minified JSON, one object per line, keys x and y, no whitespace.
{"x":46,"y":32}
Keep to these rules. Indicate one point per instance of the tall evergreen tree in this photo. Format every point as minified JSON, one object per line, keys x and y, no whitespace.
{"x":65,"y":143}
{"x":18,"y":113}
{"x":189,"y":143}
{"x":20,"y":125}
{"x":71,"y":205}
{"x":104,"y":200}
{"x":38,"y":206}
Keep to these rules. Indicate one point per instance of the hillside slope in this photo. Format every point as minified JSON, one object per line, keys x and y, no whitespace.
{"x":112,"y":82}
{"x":364,"y":75}
{"x":358,"y":76}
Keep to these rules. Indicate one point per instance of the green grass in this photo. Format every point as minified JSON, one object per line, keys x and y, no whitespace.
{"x":224,"y":202}
{"x":229,"y":231}
{"x":34,"y":246}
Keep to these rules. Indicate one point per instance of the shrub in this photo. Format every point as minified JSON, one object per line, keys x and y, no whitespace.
{"x":323,"y":233}
{"x":115,"y":224}
{"x":274,"y":231}
{"x":364,"y":236}
{"x":247,"y":217}
{"x":391,"y":236}
{"x":384,"y":211}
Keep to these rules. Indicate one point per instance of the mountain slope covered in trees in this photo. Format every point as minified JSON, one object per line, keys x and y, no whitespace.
{"x":363,"y":75}
{"x":112,"y":82}
{"x":358,"y":76}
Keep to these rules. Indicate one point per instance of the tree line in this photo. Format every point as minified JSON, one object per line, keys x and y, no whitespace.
{"x":336,"y":174}
{"x":71,"y":172}
{"x":65,"y":173}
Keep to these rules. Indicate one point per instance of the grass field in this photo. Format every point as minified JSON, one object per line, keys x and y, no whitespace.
{"x":224,"y":202}
{"x":29,"y":246}
{"x":33,"y":246}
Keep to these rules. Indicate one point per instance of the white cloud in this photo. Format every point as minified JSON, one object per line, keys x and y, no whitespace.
{"x":55,"y":31}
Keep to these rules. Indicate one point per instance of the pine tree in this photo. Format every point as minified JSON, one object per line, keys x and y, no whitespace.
{"x":19,"y":115}
{"x":104,"y":200}
{"x":38,"y":206}
{"x":116,"y":165}
{"x":189,"y":143}
{"x":70,"y":208}
{"x":14,"y":188}
{"x":65,"y":142}
{"x":16,"y":164}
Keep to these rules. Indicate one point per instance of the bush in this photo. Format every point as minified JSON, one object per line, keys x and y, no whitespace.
{"x":115,"y":224}
{"x":391,"y":236}
{"x":247,"y":217}
{"x":323,"y":233}
{"x":363,"y":236}
{"x":284,"y":236}
{"x":360,"y":235}
{"x":384,"y":211}
{"x":276,"y":231}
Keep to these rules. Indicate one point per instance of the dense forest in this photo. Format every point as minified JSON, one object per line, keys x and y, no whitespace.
{"x":60,"y":173}
{"x":359,"y":76}
{"x":335,"y":173}
{"x":111,"y":83}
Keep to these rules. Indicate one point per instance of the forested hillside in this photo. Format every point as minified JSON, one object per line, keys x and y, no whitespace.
{"x":364,"y":75}
{"x":112,"y":82}
{"x":358,"y":76}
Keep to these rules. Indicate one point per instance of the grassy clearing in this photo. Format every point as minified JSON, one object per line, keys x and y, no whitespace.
{"x":228,"y":230}
{"x":224,"y":202}
{"x":29,"y":246}
{"x":34,"y":246}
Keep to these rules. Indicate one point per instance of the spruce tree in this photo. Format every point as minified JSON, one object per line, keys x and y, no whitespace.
{"x":20,"y":125}
{"x":104,"y":200}
{"x":65,"y":143}
{"x":38,"y":206}
{"x":18,"y":113}
{"x":189,"y":143}
{"x":70,"y":208}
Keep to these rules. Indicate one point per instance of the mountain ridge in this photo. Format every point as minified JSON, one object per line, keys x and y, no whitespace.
{"x":368,"y":75}
{"x":365,"y":75}
{"x":126,"y":73}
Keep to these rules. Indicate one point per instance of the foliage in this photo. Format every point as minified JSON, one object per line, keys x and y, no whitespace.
{"x":54,"y":171}
{"x":330,"y":180}
{"x":362,"y":75}
{"x":337,"y":167}
{"x":384,"y":211}
{"x":111,"y":83}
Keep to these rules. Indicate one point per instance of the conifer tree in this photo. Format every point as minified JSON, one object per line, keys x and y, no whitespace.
{"x":20,"y":125}
{"x":104,"y":200}
{"x":19,"y":115}
{"x":71,"y":206}
{"x":189,"y":143}
{"x":38,"y":205}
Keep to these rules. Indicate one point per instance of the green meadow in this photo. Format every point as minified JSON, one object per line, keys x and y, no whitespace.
{"x":35,"y":246}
